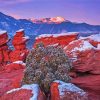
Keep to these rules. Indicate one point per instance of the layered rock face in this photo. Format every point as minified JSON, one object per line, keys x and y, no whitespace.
{"x":58,"y":39}
{"x":4,"y":49}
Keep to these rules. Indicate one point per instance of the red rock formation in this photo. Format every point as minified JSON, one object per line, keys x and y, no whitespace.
{"x":4,"y":50}
{"x":14,"y":66}
{"x":19,"y":43}
{"x":86,"y":65}
{"x":67,"y":91}
{"x":88,"y":61}
{"x":77,"y":46}
{"x":10,"y":80}
{"x":94,"y":39}
{"x":22,"y":94}
{"x":26,"y":92}
{"x":60,"y":39}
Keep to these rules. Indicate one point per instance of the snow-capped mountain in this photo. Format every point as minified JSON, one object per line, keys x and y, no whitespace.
{"x":54,"y":20}
{"x":45,"y":26}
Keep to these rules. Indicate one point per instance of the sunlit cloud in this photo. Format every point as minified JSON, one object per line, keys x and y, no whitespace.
{"x":15,"y":16}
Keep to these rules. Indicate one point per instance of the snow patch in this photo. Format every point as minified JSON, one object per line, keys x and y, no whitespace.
{"x":69,"y":87}
{"x":20,"y":30}
{"x":56,"y":44}
{"x":57,"y":19}
{"x":22,"y":54}
{"x":33,"y":87}
{"x":85,"y":46}
{"x":95,"y":37}
{"x":3,"y":32}
{"x":98,"y":47}
{"x":26,"y":37}
{"x":20,"y":62}
{"x":56,"y":35}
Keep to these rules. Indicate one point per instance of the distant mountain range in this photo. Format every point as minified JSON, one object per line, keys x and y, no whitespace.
{"x":45,"y":26}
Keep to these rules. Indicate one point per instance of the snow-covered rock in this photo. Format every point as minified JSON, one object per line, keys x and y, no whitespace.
{"x":56,"y":35}
{"x":67,"y":91}
{"x":93,"y":39}
{"x":62,"y":39}
{"x":26,"y":92}
{"x":77,"y":46}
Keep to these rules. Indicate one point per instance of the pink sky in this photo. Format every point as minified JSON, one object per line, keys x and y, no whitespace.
{"x":73,"y":10}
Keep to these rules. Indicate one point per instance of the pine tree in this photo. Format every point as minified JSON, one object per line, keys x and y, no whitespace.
{"x":46,"y":64}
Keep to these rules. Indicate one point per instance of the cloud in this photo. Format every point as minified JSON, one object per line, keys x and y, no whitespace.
{"x":9,"y":2}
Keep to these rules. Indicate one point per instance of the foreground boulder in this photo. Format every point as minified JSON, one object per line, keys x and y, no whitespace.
{"x":89,"y":82}
{"x":26,"y":92}
{"x":19,"y":43}
{"x":10,"y":80}
{"x":88,"y":61}
{"x":67,"y":91}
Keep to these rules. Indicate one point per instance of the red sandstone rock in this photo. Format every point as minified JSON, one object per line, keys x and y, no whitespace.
{"x":22,"y":94}
{"x":18,"y":55}
{"x":77,"y":46}
{"x":94,"y":43}
{"x":89,"y":82}
{"x":1,"y":56}
{"x":93,"y":39}
{"x":61,"y":39}
{"x":19,"y":43}
{"x":88,"y":61}
{"x":15,"y":66}
{"x":26,"y":92}
{"x":3,"y":38}
{"x":20,"y":38}
{"x":67,"y":91}
{"x":20,"y":33}
{"x":54,"y":91}
{"x":4,"y":50}
{"x":20,"y":47}
{"x":4,"y":47}
{"x":10,"y":80}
